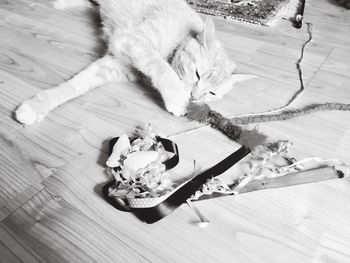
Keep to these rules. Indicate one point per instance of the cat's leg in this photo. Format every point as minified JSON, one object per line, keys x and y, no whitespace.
{"x":105,"y":69}
{"x":150,"y":62}
{"x":165,"y":80}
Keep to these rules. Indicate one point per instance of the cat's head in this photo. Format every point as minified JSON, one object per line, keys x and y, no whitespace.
{"x":202,"y":63}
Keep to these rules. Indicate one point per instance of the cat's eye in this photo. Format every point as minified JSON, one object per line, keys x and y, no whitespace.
{"x":197,"y":74}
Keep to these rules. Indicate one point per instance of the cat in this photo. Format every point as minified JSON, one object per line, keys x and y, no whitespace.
{"x":168,"y":43}
{"x":164,"y":40}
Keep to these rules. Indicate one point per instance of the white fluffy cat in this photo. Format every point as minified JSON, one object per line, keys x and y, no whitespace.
{"x":165,"y":40}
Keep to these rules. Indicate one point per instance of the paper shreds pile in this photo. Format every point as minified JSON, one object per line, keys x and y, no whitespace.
{"x":137,"y":167}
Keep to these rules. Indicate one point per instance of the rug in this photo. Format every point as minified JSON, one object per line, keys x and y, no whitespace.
{"x":260,"y":12}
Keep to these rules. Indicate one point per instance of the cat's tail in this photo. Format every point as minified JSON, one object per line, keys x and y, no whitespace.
{"x":288,"y":113}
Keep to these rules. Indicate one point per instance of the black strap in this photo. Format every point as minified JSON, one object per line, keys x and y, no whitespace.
{"x":153,"y":214}
{"x":170,"y":146}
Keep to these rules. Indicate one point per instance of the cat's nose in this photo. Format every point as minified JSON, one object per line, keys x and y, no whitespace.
{"x":196,"y":100}
{"x":197,"y":91}
{"x":194,"y":96}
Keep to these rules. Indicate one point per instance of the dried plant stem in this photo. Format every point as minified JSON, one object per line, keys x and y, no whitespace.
{"x":289,"y":113}
{"x":249,"y":138}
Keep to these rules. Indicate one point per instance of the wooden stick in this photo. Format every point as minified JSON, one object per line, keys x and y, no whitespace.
{"x":303,"y":177}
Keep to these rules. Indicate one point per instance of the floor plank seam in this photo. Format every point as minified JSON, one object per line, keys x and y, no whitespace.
{"x":54,"y":193}
{"x":188,"y":131}
{"x":321,"y":65}
{"x":16,"y":198}
{"x":14,"y":211}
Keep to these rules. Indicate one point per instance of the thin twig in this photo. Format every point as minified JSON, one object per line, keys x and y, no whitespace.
{"x":299,"y":92}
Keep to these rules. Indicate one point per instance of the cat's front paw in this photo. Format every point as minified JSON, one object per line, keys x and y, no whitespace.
{"x":177,"y":111}
{"x":175,"y":98}
{"x":27,"y":115}
{"x":176,"y":105}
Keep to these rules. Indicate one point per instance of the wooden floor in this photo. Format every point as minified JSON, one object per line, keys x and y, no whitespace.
{"x":51,"y":173}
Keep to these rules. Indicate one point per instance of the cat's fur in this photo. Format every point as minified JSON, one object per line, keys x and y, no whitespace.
{"x":165,"y":40}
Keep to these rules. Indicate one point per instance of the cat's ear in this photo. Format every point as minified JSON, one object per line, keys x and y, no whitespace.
{"x":207,"y":36}
{"x":228,"y":83}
